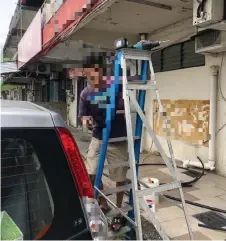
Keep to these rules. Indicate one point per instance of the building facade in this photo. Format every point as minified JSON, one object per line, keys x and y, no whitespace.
{"x":191,"y":85}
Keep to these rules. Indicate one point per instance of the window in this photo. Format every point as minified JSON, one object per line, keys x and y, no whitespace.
{"x":171,"y":58}
{"x":26,"y":203}
{"x":189,"y":57}
{"x":177,"y":56}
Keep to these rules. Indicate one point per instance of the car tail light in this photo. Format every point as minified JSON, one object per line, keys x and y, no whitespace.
{"x":97,"y":221}
{"x":76,"y":163}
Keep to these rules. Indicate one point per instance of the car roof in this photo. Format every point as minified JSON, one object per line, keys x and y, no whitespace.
{"x":27,"y":114}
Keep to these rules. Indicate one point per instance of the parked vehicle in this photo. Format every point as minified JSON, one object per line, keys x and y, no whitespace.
{"x":46,"y":192}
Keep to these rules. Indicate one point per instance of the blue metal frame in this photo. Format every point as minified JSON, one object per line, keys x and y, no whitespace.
{"x":112,"y":91}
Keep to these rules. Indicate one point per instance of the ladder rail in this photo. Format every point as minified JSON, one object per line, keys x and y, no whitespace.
{"x":131,"y":152}
{"x":180,"y":189}
{"x":113,"y":205}
{"x":171,"y":165}
{"x":173,"y":161}
{"x":155,"y":222}
{"x":151,"y":133}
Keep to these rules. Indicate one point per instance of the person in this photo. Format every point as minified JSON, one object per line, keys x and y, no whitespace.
{"x":117,"y":152}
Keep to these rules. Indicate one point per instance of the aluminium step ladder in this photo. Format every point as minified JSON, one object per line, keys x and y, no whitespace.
{"x":137,"y":200}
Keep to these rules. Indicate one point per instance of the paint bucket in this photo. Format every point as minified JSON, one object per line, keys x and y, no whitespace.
{"x":152,"y":199}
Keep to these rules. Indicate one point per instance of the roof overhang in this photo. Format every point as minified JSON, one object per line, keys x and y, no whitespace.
{"x":70,"y":52}
{"x":109,"y":20}
{"x":128,"y":18}
{"x":18,"y":80}
{"x":9,"y":68}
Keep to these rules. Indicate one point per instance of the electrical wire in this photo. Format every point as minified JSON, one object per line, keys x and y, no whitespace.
{"x":188,"y":184}
{"x":220,"y":78}
{"x":183,"y":184}
{"x":221,"y":129}
{"x":196,"y":204}
{"x":220,"y":87}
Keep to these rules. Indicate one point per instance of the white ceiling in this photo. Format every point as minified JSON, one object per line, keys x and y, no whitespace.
{"x":121,"y":19}
{"x":69,"y":52}
{"x":126,"y":18}
{"x":129,"y":17}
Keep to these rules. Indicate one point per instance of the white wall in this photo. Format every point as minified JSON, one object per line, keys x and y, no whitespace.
{"x":191,"y":84}
{"x":72,"y":105}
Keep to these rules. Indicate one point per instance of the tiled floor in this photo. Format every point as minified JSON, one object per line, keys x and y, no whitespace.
{"x":210,"y":190}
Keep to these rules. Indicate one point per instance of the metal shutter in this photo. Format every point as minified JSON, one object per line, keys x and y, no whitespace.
{"x":189,"y":57}
{"x":157,"y":61}
{"x":172,"y":58}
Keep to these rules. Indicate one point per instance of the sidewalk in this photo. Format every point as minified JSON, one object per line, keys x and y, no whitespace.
{"x":210,"y":190}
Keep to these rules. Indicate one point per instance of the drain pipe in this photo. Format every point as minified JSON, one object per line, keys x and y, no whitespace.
{"x":210,"y":165}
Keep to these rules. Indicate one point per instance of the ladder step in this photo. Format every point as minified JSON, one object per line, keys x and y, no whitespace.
{"x":108,"y":191}
{"x":114,"y":212}
{"x":136,"y":54}
{"x":123,"y":111}
{"x":122,"y":231}
{"x":111,"y":166}
{"x":121,"y":139}
{"x":141,"y":86}
{"x":161,"y":188}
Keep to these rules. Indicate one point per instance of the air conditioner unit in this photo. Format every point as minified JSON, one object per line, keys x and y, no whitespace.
{"x":210,"y":41}
{"x":207,"y":12}
{"x":43,"y":69}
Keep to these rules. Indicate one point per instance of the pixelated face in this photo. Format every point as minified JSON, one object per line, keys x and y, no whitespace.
{"x":95,"y":76}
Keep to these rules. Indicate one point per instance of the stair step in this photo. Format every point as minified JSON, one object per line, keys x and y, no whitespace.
{"x":111,"y":166}
{"x":122,"y":231}
{"x":158,"y":189}
{"x":121,"y":139}
{"x":114,"y":212}
{"x":141,"y":86}
{"x":108,"y":191}
{"x":123,"y":111}
{"x":136,"y":54}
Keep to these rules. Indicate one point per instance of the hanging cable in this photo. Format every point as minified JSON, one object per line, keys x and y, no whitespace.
{"x":220,"y":78}
{"x":200,"y":9}
{"x":221,"y":129}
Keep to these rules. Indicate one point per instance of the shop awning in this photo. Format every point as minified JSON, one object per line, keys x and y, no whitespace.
{"x":9,"y":68}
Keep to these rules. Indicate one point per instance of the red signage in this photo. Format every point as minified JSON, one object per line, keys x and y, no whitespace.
{"x":31,"y":43}
{"x":70,"y":11}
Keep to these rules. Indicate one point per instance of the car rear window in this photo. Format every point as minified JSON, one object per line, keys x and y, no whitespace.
{"x":27,"y":203}
{"x":39,"y":198}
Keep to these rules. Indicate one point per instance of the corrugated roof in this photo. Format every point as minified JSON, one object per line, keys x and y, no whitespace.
{"x":8,"y":68}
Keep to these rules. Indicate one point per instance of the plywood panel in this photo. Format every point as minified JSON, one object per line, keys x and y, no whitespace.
{"x":187,"y":120}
